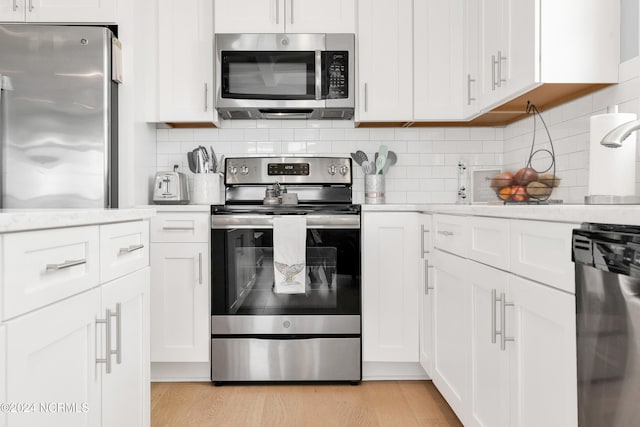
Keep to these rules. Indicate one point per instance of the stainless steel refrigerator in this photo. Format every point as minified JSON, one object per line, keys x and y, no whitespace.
{"x":58,"y":118}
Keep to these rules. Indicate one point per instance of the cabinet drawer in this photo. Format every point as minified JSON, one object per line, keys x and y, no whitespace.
{"x":489,"y":241}
{"x":45,"y":266}
{"x":451,"y":234}
{"x":124,"y":248}
{"x":541,"y":251}
{"x":179,"y":227}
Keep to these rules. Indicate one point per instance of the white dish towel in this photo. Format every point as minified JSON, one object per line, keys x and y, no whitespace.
{"x":289,"y":258}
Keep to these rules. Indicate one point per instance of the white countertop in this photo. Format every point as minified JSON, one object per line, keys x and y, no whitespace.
{"x":608,"y":214}
{"x":34,"y":219}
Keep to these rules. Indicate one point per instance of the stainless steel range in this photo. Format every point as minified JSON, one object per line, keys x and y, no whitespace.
{"x":262,"y":329}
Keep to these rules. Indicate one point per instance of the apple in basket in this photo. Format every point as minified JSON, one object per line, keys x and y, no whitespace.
{"x":502,"y":180}
{"x":525,"y":176}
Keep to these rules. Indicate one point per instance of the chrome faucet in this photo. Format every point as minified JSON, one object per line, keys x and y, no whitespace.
{"x":615,"y":137}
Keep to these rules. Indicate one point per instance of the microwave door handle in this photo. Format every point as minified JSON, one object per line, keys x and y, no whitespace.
{"x":318,"y":75}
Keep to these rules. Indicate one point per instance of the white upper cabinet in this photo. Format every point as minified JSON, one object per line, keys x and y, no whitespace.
{"x":280,"y":16}
{"x":58,"y":11}
{"x":185,"y":61}
{"x":320,"y":16}
{"x":385,"y":60}
{"x":438,"y":41}
{"x":526,"y":44}
{"x":470,"y":74}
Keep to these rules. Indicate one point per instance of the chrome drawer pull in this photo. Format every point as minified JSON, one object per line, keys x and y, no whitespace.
{"x":66,"y":264}
{"x":178,"y":228}
{"x":446,"y":233}
{"x":130,"y":249}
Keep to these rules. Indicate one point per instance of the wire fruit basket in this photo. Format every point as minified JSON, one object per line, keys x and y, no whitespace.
{"x":530,"y":184}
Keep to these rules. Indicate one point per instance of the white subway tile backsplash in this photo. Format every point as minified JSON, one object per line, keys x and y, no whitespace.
{"x":306,"y":134}
{"x":256,"y":134}
{"x":294,"y":147}
{"x":457,"y":133}
{"x":319,"y":147}
{"x":426,"y":171}
{"x":431,"y":134}
{"x":331,"y":134}
{"x":382,"y":134}
{"x":284,"y":134}
{"x":180,"y":134}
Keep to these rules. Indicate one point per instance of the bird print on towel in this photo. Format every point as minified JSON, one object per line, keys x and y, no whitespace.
{"x":289,"y":271}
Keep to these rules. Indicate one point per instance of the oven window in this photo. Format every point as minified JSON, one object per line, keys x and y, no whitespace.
{"x":243,"y":274}
{"x":268,"y":75}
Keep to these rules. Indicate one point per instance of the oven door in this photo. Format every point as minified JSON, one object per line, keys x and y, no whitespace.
{"x":242,"y":276}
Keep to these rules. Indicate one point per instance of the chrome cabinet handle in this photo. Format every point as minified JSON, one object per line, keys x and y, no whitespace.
{"x":30,"y":5}
{"x":107,"y":322}
{"x":469,"y":81}
{"x":499,"y":64}
{"x":200,"y":268}
{"x":494,"y":330}
{"x":422,"y":241}
{"x":277,"y":11}
{"x":66,"y":264}
{"x":503,"y":314}
{"x":131,"y":248}
{"x":318,"y":72}
{"x":446,"y":233}
{"x":291,"y":10}
{"x":366,"y":98}
{"x":15,"y":5}
{"x":118,"y":350}
{"x":206,"y":95}
{"x":493,"y":72}
{"x":427,"y":288}
{"x":177,"y":228}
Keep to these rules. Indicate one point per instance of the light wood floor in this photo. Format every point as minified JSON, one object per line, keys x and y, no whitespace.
{"x":372,"y":403}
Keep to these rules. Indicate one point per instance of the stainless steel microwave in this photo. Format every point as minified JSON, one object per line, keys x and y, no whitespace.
{"x":298,"y":76}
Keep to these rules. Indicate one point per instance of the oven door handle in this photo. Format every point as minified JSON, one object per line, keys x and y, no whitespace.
{"x":223,"y":222}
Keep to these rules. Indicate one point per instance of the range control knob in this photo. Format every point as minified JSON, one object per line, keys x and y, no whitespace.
{"x":332,"y":170}
{"x":233,"y":170}
{"x":344,"y":170}
{"x":244,"y":170}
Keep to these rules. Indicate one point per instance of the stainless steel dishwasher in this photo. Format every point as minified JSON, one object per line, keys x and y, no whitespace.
{"x":607,"y":265}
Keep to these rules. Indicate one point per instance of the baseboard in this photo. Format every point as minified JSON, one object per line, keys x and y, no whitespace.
{"x":180,"y":372}
{"x":381,"y":371}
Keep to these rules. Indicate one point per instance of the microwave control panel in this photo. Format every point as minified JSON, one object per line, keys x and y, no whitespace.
{"x":337,"y":64}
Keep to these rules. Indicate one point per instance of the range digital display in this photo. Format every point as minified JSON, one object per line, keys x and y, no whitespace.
{"x":288,"y":169}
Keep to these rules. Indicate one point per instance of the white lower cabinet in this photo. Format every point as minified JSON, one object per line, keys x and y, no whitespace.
{"x":125,"y":391}
{"x":542,"y":358}
{"x":426,"y":298}
{"x":523,"y":354}
{"x":504,"y":346}
{"x":52,"y":359}
{"x":82,"y":359}
{"x":489,"y":399}
{"x":3,"y":372}
{"x":391,"y":277}
{"x":451,"y":330}
{"x":180,"y":302}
